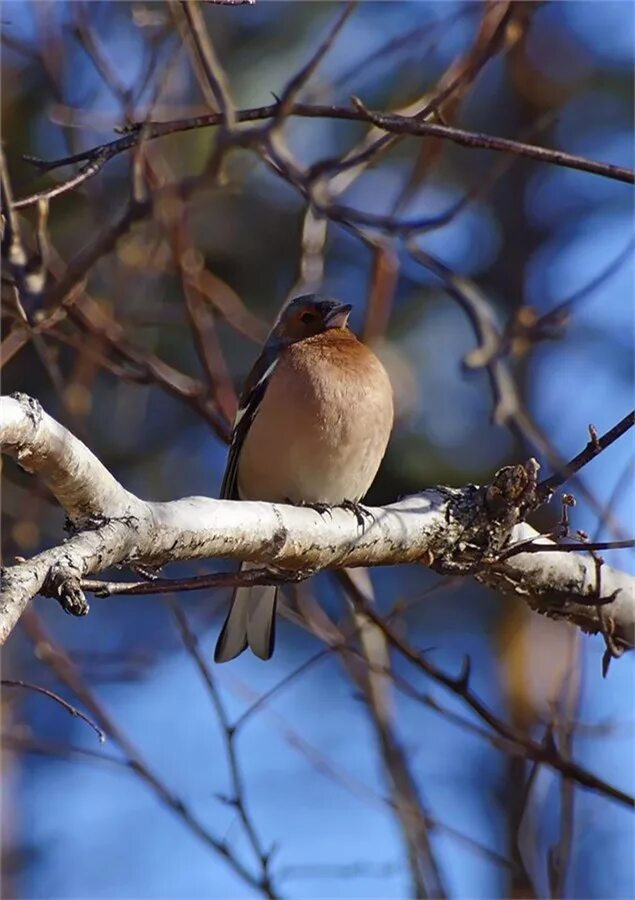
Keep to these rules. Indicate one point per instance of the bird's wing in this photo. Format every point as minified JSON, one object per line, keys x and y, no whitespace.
{"x":248,"y":406}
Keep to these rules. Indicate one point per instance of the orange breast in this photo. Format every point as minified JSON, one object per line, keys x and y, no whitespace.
{"x":322,"y":427}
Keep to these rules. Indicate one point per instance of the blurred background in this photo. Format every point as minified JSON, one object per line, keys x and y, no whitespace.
{"x":79,"y":819}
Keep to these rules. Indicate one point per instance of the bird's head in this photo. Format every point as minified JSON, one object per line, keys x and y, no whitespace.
{"x":307,"y":316}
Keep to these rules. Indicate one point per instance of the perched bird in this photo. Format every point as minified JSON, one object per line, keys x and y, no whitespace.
{"x":312,"y":427}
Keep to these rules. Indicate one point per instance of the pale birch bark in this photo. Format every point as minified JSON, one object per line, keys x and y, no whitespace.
{"x":451,"y":529}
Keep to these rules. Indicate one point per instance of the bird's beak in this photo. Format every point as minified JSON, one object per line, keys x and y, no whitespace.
{"x":338,"y":316}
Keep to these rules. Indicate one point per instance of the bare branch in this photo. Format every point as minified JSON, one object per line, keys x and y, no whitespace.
{"x":388,"y":122}
{"x":87,"y":171}
{"x":80,"y":483}
{"x":481,"y":316}
{"x":402,"y":125}
{"x":458,"y":531}
{"x":246,"y":577}
{"x":592,"y":449}
{"x":377,"y":689}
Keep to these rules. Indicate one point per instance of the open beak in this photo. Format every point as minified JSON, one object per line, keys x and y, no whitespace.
{"x":338,"y":316}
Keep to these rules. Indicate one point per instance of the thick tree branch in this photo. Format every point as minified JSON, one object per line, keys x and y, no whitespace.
{"x":80,"y":483}
{"x":461,"y":531}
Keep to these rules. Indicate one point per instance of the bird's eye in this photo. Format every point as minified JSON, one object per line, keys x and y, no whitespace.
{"x":307,"y":317}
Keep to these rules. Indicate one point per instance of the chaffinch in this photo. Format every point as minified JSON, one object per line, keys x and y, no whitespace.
{"x":312,"y":427}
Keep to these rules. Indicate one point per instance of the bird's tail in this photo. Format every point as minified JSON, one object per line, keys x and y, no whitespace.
{"x":250,"y":622}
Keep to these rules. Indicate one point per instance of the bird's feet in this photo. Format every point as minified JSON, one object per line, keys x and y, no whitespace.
{"x":321,"y":508}
{"x":361,"y":513}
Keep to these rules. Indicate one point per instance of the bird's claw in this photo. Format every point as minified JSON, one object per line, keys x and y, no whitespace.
{"x":359,"y":511}
{"x":321,"y":508}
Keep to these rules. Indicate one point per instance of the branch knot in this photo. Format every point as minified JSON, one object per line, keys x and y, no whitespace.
{"x":63,"y":584}
{"x":512,"y":492}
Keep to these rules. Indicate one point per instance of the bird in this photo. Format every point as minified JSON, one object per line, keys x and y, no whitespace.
{"x":313,"y":422}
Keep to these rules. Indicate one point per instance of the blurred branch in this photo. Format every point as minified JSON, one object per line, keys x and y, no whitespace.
{"x":102,"y":244}
{"x":202,"y":49}
{"x":564,"y":717}
{"x":60,"y":299}
{"x":26,"y":282}
{"x":69,"y":674}
{"x":459,"y":531}
{"x":138,"y":365}
{"x":229,"y":2}
{"x":545,"y":752}
{"x":555,"y":318}
{"x":508,"y":406}
{"x":493,"y":345}
{"x":190,"y":264}
{"x":376,"y":685}
{"x":87,"y":38}
{"x":10,"y":682}
{"x":298,"y":81}
{"x":238,"y":799}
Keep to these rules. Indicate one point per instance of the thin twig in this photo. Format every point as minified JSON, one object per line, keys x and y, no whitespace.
{"x":244,"y":578}
{"x":533,"y":546}
{"x":88,"y":171}
{"x":390,"y":123}
{"x":10,"y":682}
{"x":402,"y":125}
{"x":595,"y":446}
